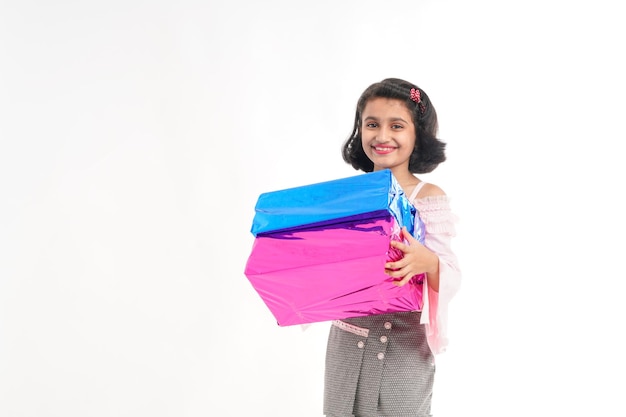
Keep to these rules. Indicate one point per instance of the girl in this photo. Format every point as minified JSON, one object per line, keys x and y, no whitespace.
{"x":383,"y":365}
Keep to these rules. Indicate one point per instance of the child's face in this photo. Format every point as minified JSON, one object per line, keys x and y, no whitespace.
{"x":388,"y":134}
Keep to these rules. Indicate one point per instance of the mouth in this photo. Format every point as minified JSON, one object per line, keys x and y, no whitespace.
{"x":382,"y":150}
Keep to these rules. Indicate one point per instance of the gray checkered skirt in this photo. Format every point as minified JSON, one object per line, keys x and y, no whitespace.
{"x":378,"y":366}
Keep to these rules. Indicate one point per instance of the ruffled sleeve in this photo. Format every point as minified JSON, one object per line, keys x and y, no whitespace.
{"x":439,"y":222}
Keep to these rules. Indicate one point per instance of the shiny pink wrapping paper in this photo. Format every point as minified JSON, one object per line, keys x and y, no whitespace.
{"x":330,"y":272}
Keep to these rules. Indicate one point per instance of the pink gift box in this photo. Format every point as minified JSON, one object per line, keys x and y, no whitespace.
{"x":330,"y":272}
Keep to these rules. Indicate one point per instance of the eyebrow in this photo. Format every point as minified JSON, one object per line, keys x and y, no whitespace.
{"x":393,"y":119}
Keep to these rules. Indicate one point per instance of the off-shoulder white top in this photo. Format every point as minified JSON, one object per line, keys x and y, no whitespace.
{"x":439,"y":222}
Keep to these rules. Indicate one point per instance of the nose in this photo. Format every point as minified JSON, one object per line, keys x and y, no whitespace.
{"x":384,"y":135}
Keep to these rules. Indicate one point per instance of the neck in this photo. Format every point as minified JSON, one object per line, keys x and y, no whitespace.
{"x":405,"y":178}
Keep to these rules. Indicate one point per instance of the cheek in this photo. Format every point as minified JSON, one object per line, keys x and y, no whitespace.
{"x":413,"y":141}
{"x":365,"y":138}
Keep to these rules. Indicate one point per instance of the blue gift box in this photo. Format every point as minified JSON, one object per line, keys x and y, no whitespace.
{"x":360,"y":197}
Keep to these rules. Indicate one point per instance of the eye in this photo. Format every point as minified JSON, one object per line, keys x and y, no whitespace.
{"x":372,"y":125}
{"x":396,"y":126}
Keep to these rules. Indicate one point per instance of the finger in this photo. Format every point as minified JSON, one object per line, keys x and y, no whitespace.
{"x":399,"y":245}
{"x":399,"y":271}
{"x":396,"y":264}
{"x":408,"y":236}
{"x":403,"y":281}
{"x":394,"y":272}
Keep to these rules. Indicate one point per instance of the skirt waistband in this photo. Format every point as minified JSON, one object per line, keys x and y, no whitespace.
{"x":359,"y":331}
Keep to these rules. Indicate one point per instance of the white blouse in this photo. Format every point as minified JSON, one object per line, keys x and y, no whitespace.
{"x":439,"y":222}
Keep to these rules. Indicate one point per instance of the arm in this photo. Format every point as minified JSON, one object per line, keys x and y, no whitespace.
{"x":435,"y":308}
{"x":418,"y":258}
{"x":443,"y":275}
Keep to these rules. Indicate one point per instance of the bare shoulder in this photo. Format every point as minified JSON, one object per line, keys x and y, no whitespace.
{"x":430,"y":190}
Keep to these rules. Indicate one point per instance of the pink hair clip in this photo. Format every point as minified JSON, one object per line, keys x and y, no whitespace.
{"x":416,"y":96}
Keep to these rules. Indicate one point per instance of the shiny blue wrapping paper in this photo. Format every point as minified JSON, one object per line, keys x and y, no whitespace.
{"x":361,"y":197}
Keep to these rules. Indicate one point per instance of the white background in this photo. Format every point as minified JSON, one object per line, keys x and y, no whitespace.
{"x":136,"y":137}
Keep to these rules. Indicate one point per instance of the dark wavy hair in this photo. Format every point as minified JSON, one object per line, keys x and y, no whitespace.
{"x":429,"y":151}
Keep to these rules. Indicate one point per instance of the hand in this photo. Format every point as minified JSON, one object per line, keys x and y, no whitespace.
{"x":417,"y":259}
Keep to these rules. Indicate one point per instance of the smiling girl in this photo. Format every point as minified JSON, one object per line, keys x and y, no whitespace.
{"x":383,"y":365}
